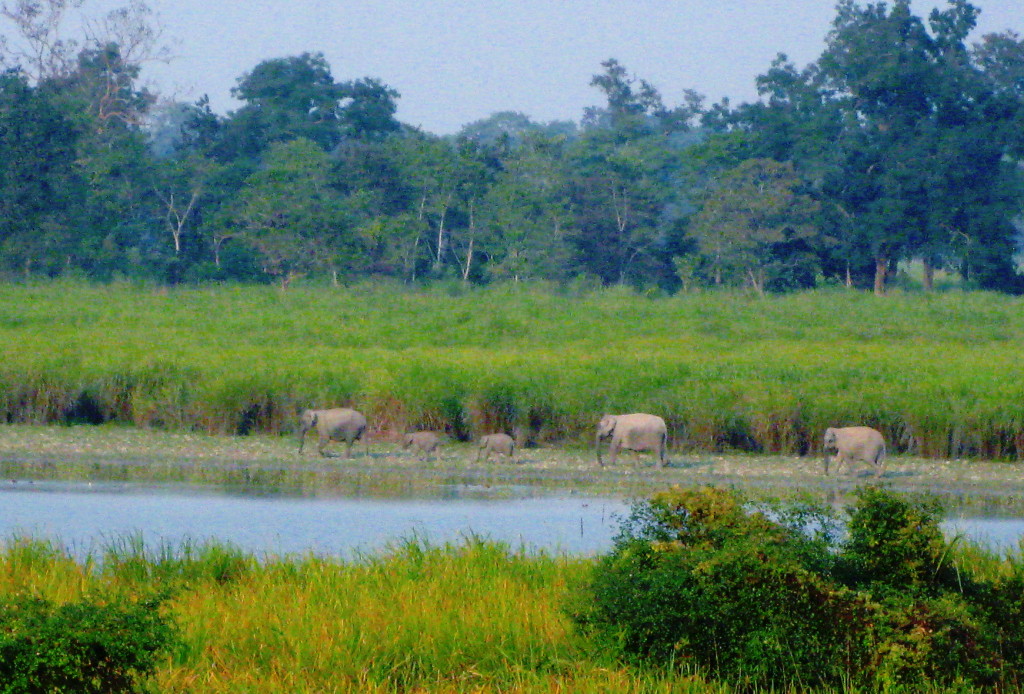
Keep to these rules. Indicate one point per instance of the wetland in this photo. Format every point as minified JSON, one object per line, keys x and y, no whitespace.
{"x":84,"y":484}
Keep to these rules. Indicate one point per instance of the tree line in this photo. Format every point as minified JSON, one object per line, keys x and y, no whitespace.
{"x":902,"y":141}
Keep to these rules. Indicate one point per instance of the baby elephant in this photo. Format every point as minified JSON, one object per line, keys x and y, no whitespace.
{"x":851,"y":444}
{"x":338,"y":424}
{"x":424,"y":442}
{"x":498,"y":443}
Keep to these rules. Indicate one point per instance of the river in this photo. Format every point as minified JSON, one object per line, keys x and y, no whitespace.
{"x":83,"y":516}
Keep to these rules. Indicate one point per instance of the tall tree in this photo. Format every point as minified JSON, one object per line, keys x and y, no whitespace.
{"x":624,"y":185}
{"x":37,"y":148}
{"x":525,"y":214}
{"x":297,"y":96}
{"x":45,"y":37}
{"x":896,"y":128}
{"x":749,"y":222}
{"x":290,"y":213}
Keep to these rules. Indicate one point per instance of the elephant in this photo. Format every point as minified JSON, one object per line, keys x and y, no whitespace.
{"x":425,"y":442}
{"x":633,"y":432}
{"x":338,"y":424}
{"x":498,"y":443}
{"x":855,"y":443}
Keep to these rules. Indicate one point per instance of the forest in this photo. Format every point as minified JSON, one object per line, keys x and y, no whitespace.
{"x":902,"y":143}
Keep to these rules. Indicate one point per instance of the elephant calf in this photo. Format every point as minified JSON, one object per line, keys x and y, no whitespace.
{"x":424,"y":442}
{"x":338,"y":424}
{"x":851,"y":444}
{"x":497,"y":443}
{"x":633,"y":432}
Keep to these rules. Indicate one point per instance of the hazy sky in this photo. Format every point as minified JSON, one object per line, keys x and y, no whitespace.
{"x":456,"y":61}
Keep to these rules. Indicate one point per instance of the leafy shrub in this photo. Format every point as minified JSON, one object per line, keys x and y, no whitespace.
{"x":930,"y":641}
{"x":895,"y":542}
{"x":765,"y":596}
{"x":1001,"y":599}
{"x":695,"y":576}
{"x":79,"y":647}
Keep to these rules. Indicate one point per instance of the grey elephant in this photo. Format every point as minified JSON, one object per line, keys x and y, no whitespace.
{"x":632,"y":432}
{"x":424,"y":442}
{"x":337,"y":424}
{"x":496,"y":443}
{"x":853,"y":444}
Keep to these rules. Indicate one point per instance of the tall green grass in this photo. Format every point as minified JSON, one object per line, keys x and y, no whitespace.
{"x":469,"y":617}
{"x":474,"y":616}
{"x":938,"y":374}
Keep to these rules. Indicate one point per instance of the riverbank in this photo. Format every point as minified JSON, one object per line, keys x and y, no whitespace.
{"x":273,"y":464}
{"x":471,"y":616}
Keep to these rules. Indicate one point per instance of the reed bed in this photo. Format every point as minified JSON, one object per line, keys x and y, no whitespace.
{"x":936,"y":373}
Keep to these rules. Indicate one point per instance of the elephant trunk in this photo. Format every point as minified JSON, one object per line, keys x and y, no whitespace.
{"x":597,"y":447}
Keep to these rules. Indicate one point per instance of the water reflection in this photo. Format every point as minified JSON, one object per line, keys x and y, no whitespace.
{"x":81,"y":514}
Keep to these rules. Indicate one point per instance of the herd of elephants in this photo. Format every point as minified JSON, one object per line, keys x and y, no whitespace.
{"x":631,"y":432}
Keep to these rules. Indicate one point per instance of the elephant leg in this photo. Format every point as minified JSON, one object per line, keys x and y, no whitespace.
{"x":321,"y":445}
{"x":613,"y":452}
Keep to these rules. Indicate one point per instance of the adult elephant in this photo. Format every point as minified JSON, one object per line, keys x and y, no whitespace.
{"x":853,"y":444}
{"x":632,"y":432}
{"x":336,"y":424}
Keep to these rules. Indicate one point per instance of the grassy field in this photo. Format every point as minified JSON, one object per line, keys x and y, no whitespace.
{"x":938,"y":374}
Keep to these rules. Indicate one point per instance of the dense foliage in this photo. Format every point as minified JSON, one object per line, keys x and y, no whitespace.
{"x":901,"y":142}
{"x":79,"y":647}
{"x":772,"y":597}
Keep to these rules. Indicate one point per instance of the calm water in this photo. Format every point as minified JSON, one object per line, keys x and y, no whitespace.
{"x":81,"y":515}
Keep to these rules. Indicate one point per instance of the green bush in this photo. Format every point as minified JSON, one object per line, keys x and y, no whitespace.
{"x":895,"y":542}
{"x":79,"y":647}
{"x":697,"y":577}
{"x":917,"y":643}
{"x":767,"y":596}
